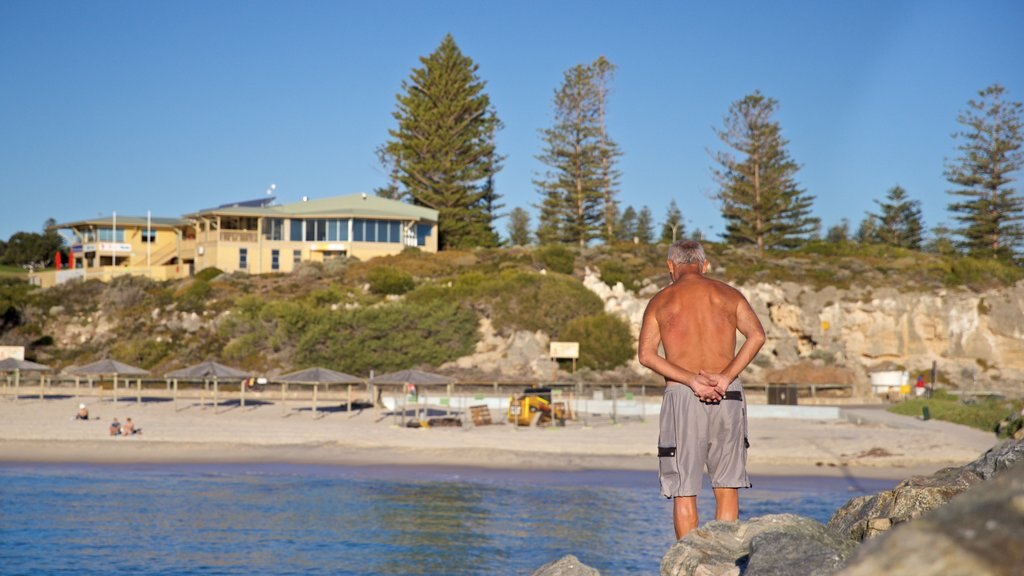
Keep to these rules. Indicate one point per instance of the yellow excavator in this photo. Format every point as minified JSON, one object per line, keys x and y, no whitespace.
{"x":534,"y":408}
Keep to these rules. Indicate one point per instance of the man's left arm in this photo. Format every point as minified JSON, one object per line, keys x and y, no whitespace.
{"x":750,"y":326}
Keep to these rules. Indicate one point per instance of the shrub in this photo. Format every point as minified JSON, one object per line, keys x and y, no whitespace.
{"x":193,"y":299}
{"x":386,"y":280}
{"x":614,"y":271}
{"x":556,"y":258}
{"x":207,"y":274}
{"x":605,"y":341}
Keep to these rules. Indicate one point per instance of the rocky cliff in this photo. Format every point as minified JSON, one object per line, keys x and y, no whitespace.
{"x":837,"y":335}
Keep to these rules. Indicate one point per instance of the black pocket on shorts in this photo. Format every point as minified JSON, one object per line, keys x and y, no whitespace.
{"x":666,"y":451}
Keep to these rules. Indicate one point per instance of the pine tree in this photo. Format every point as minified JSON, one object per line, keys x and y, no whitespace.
{"x":645,"y":226}
{"x":604,"y":71}
{"x":900,"y":223}
{"x":519,"y":227}
{"x":579,"y":187}
{"x":839,"y":233}
{"x":443,"y":148}
{"x":991,"y":211}
{"x":761,"y":202}
{"x":868,"y":231}
{"x":625,"y":229}
{"x":673,"y":229}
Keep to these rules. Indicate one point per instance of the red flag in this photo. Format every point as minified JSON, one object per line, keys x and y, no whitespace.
{"x":56,"y":260}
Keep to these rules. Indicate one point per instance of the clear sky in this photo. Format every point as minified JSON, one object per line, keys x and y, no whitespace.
{"x":175,"y":106}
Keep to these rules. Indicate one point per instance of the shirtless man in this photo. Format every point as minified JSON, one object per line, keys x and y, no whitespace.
{"x":703,"y":414}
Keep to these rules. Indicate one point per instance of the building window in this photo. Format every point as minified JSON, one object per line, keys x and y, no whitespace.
{"x":111,"y":235}
{"x":275,"y":259}
{"x":149,"y":236}
{"x":296,"y":231}
{"x":357,"y":230}
{"x":243,"y":258}
{"x":395,"y":236}
{"x":273,"y":228}
{"x":296,"y":256}
{"x":343,"y":230}
{"x":316,"y":230}
{"x":422,"y":233}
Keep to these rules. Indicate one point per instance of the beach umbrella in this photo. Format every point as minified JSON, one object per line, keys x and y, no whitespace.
{"x":18,"y":366}
{"x":315,"y":377}
{"x":208,"y":371}
{"x":416,"y":378}
{"x":110,"y":367}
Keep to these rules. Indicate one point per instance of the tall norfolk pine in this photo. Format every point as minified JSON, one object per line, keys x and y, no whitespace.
{"x":760,"y":200}
{"x":578,"y":190}
{"x":991,"y":211}
{"x":442,"y":154}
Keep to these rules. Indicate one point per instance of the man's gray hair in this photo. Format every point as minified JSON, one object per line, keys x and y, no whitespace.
{"x":687,"y":252}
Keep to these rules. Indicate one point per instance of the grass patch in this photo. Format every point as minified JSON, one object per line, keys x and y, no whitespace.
{"x":983,"y":414}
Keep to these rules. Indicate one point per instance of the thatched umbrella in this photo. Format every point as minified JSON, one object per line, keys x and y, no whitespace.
{"x":18,"y":366}
{"x":208,"y":371}
{"x":109,"y":367}
{"x":315,"y":377}
{"x":415,"y":378}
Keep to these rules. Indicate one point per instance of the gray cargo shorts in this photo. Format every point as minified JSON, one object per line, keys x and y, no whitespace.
{"x":695,"y":435}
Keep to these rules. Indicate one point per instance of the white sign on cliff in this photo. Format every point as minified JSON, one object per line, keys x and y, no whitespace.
{"x":16,"y":352}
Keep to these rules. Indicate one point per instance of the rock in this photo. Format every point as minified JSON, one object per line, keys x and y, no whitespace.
{"x":868,"y":516}
{"x":780,"y":544}
{"x":980,"y":533}
{"x":568,"y":565}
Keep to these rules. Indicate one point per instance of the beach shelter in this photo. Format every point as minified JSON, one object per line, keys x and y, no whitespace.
{"x":317,"y":377}
{"x":208,"y":372}
{"x":412,"y":382}
{"x":15,"y":366}
{"x":109,"y":367}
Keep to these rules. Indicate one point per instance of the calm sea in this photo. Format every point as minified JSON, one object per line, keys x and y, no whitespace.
{"x":293,"y":519}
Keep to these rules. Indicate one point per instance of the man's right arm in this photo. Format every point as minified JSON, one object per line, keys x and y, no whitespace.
{"x":750,"y":326}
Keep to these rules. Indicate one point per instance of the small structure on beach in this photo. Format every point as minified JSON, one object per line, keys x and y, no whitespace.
{"x":16,"y":366}
{"x":208,"y":372}
{"x":112,"y":368}
{"x":317,"y":377}
{"x":410,"y":383}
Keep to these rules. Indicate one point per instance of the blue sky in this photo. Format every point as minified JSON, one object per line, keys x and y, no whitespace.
{"x":174,"y":106}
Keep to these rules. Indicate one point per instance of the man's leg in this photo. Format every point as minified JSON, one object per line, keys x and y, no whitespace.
{"x":684,"y":515}
{"x":727,"y":503}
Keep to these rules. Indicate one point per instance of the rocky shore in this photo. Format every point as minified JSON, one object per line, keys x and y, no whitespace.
{"x":962,"y":520}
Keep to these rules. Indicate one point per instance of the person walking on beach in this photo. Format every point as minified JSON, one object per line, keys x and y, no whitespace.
{"x":703,"y":421}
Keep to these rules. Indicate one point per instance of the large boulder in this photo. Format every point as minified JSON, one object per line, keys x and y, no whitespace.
{"x":980,"y":533}
{"x":868,"y":516}
{"x":567,"y":565}
{"x":779,"y":544}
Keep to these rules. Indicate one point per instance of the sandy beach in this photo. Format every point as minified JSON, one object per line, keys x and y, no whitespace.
{"x":867,"y":442}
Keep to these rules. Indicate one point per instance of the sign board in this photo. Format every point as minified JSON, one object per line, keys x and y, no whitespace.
{"x":16,"y":352}
{"x":328,"y":247}
{"x":565,"y":350}
{"x":114,"y":247}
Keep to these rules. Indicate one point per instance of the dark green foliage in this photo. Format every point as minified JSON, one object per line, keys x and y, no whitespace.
{"x":840,"y":232}
{"x":388,"y":338}
{"x":443,"y":154}
{"x":991,"y":211}
{"x":517,"y":299}
{"x":578,"y":190}
{"x":760,"y":199}
{"x":519,"y":227}
{"x":556,"y":258}
{"x":984,"y":414}
{"x":614,"y":271}
{"x":899,"y":223}
{"x":144,"y":353}
{"x":645,"y":226}
{"x":673,"y":229}
{"x":207,"y":274}
{"x":625,"y":230}
{"x":31,"y":248}
{"x":605,"y":341}
{"x":193,"y":298}
{"x":388,"y":280}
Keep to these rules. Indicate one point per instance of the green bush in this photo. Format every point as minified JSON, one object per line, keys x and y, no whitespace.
{"x":517,"y":299}
{"x":386,"y":280}
{"x":142,"y":352}
{"x":207,"y":274}
{"x":615,"y":271}
{"x":983,"y":414}
{"x":556,"y":258}
{"x":387,"y":338}
{"x":605,"y":341}
{"x":193,"y":299}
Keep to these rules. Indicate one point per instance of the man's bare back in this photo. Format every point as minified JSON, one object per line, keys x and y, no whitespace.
{"x":696,"y":320}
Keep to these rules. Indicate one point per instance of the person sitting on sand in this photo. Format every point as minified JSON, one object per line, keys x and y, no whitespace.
{"x":115,"y":427}
{"x":83,"y":413}
{"x":128,"y":428}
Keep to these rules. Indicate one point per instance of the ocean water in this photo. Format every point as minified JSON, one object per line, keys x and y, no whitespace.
{"x":297,"y":519}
